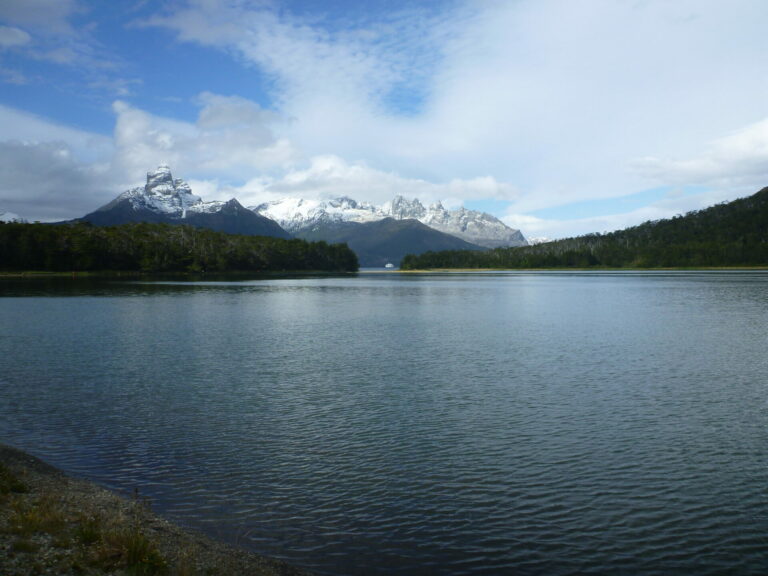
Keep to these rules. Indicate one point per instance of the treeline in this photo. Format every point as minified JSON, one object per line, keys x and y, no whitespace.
{"x":160,"y":248}
{"x":728,"y":234}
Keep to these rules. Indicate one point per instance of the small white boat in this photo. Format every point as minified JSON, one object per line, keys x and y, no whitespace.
{"x":389,"y":265}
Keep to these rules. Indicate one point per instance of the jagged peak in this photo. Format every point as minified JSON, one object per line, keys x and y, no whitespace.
{"x":295,"y":214}
{"x":159,"y":177}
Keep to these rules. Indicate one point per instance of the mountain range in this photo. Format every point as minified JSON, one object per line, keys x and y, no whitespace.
{"x":378,"y":234}
{"x":301,"y":216}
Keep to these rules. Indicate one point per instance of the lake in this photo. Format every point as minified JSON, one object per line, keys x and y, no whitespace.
{"x":479,"y":423}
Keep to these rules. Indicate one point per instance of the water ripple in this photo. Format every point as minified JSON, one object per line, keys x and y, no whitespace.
{"x":522,"y":424}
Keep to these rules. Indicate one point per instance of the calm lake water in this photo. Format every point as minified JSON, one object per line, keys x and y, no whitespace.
{"x":513,"y":423}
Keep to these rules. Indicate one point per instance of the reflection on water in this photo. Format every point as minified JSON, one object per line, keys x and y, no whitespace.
{"x":533,"y":423}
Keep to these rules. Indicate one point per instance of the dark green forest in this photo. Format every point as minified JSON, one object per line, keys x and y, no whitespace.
{"x":160,"y":248}
{"x":728,"y":234}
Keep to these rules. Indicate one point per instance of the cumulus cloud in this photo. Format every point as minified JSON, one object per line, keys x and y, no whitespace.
{"x":338,"y":83}
{"x":45,"y":181}
{"x":736,"y":161}
{"x":512,"y":89}
{"x":11,"y":37}
{"x":84,"y":146}
{"x":536,"y":103}
{"x":330,"y":176}
{"x":232,"y":139}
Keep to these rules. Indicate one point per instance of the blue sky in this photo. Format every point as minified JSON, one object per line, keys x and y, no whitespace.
{"x":561,"y":117}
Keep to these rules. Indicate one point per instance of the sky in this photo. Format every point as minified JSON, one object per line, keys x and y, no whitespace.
{"x":561,"y":117}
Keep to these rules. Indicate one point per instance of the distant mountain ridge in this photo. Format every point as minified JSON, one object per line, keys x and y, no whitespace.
{"x":387,"y":241}
{"x":379,"y":235}
{"x":300,"y":216}
{"x":164,"y":199}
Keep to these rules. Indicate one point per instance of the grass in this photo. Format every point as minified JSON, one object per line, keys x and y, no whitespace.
{"x":131,"y":549}
{"x":10,"y":483}
{"x":51,"y":524}
{"x":97,"y":543}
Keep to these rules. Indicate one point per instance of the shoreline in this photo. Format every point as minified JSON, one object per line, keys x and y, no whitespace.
{"x":120,"y":275}
{"x":53,"y":523}
{"x":588,"y":269}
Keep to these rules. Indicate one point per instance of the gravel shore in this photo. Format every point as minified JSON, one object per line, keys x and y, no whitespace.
{"x":51,"y":523}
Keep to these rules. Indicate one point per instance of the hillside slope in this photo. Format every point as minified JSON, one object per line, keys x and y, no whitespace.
{"x":728,"y":234}
{"x":387,"y":241}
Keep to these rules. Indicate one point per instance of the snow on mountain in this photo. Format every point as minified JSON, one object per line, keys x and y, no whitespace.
{"x":297,"y":215}
{"x":164,"y":195}
{"x":10,"y":217}
{"x":165,"y":200}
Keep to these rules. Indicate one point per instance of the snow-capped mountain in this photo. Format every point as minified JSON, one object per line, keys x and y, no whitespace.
{"x":169,"y":200}
{"x":299,"y":216}
{"x":164,"y":195}
{"x":472,"y":226}
{"x":10,"y":217}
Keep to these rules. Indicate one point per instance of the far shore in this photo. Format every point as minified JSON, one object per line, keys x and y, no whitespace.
{"x":253,"y":274}
{"x":31,"y":274}
{"x":51,"y":523}
{"x":588,"y":269}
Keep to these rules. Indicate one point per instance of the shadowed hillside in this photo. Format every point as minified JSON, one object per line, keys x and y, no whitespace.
{"x":388,"y":240}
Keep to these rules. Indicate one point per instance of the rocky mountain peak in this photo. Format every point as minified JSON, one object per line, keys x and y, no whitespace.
{"x":436,"y":207}
{"x":299,"y":215}
{"x":163,"y":194}
{"x":169,"y":200}
{"x":402,"y":208}
{"x":160,"y":178}
{"x":343,"y":202}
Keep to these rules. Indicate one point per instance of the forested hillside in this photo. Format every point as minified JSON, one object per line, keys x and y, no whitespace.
{"x":728,"y":234}
{"x":160,"y":248}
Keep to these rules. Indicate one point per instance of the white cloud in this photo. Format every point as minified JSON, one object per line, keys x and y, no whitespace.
{"x":335,"y":82}
{"x":555,"y":97}
{"x":232,"y":139}
{"x":51,"y":15}
{"x":671,"y":205}
{"x":330,"y":176}
{"x":539,"y":103}
{"x":54,"y":31}
{"x":11,"y":37}
{"x":31,"y":129}
{"x":736,"y":161}
{"x":44,"y":181}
